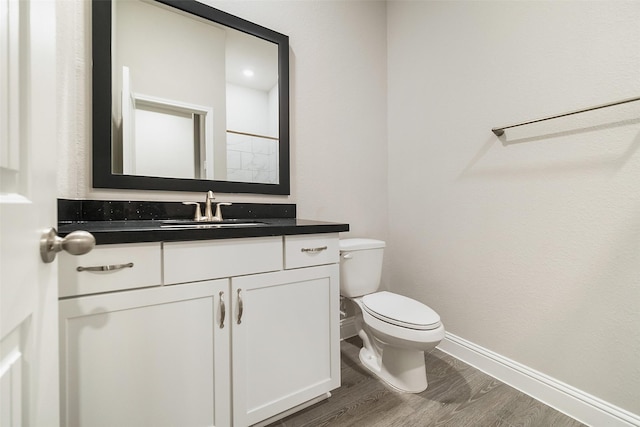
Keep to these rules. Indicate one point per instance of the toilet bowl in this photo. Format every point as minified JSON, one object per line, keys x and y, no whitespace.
{"x":395,"y":330}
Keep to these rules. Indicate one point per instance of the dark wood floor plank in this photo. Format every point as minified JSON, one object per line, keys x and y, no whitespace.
{"x":458,"y":396}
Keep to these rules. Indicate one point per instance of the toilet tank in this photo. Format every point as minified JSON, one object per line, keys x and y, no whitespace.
{"x":360,"y":266}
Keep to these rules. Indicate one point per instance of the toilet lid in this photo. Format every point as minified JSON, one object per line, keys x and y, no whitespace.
{"x":400,"y":310}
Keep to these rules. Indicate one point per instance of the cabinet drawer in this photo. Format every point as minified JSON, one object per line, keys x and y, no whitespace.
{"x":129,"y":266}
{"x":212,"y":259}
{"x":310,"y":249}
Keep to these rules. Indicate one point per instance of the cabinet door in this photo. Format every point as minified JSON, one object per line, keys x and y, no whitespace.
{"x":152,"y":357}
{"x":286,"y":340}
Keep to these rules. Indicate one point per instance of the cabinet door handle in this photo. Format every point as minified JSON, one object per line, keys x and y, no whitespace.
{"x":106,"y":267}
{"x":223,"y":310}
{"x":320,"y":249}
{"x":240,"y":306}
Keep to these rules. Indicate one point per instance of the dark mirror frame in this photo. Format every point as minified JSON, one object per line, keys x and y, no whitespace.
{"x":103,"y":177}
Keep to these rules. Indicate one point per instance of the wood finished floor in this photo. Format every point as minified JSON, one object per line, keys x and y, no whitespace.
{"x":458,"y":395}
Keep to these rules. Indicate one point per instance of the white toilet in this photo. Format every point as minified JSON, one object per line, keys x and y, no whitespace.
{"x":395,"y":330}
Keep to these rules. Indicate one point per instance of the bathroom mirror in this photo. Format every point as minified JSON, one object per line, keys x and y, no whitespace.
{"x":189,"y":98}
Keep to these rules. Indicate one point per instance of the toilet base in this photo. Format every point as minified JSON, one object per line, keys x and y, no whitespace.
{"x":402,"y":369}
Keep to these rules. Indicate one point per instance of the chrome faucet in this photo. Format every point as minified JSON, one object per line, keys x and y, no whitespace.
{"x":208,"y":215}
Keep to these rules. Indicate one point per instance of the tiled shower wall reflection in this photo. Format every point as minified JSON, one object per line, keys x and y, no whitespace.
{"x":252,"y":159}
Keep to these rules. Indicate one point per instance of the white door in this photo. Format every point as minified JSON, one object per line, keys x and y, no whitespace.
{"x":28,"y":286}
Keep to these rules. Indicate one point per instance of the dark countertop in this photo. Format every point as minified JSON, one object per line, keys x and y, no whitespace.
{"x":137,"y":231}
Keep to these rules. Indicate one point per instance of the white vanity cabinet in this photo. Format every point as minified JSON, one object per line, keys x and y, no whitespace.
{"x":238,"y":331}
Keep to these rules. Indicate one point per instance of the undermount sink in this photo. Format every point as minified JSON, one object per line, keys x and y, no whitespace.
{"x":186,"y":223}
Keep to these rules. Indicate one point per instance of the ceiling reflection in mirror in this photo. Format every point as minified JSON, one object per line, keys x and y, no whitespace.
{"x":194,"y":103}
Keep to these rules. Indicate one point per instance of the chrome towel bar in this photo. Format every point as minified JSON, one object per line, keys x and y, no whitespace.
{"x":500,"y":130}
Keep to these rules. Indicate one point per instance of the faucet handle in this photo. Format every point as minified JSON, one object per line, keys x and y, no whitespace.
{"x":197,"y":216}
{"x":219,"y":211}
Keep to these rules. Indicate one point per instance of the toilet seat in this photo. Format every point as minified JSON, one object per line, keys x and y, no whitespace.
{"x":400,"y":311}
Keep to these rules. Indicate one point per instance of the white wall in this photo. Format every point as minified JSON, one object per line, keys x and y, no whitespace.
{"x":338,"y":109}
{"x":529,"y":249}
{"x":248,"y":110}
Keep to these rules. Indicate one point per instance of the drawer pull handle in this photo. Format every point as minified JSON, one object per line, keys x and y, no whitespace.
{"x":240,"y":306}
{"x":222,"y":310}
{"x":106,"y":267}
{"x":312,"y":250}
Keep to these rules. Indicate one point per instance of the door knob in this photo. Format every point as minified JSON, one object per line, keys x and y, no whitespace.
{"x":76,"y":243}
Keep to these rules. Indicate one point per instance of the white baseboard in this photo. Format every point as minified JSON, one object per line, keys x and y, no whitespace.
{"x":569,"y":400}
{"x":348,"y":328}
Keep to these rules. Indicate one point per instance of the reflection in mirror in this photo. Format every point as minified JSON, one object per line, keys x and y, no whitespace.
{"x":198,"y":99}
{"x":161,"y":137}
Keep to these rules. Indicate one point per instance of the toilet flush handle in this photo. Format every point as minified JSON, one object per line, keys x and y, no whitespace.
{"x":347,"y":256}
